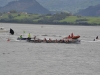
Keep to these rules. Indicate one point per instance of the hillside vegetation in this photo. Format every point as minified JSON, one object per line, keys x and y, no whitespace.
{"x":58,"y":18}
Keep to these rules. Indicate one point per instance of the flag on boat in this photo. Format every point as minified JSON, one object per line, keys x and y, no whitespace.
{"x":11,"y":31}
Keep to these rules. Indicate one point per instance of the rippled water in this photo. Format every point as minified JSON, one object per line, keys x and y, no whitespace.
{"x":23,"y":58}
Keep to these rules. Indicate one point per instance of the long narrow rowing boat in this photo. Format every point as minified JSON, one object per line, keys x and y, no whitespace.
{"x":69,"y":39}
{"x":54,"y":41}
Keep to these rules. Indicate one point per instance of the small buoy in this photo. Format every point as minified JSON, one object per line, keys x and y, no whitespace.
{"x":8,"y":39}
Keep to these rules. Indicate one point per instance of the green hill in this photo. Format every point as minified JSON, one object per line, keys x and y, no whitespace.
{"x":62,"y":5}
{"x":67,"y":5}
{"x":90,"y":11}
{"x":29,"y":6}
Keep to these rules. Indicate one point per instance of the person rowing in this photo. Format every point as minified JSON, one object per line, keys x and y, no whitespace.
{"x":34,"y":38}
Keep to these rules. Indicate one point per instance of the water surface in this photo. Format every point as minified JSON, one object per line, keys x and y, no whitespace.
{"x":23,"y":58}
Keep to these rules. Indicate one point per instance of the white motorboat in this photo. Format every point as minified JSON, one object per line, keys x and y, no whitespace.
{"x":2,"y":29}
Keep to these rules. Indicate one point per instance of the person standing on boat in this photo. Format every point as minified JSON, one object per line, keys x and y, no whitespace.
{"x":20,"y":36}
{"x":97,"y":37}
{"x":29,"y":35}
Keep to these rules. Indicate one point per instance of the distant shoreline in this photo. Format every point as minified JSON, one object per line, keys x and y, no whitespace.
{"x":49,"y":19}
{"x":47,"y":24}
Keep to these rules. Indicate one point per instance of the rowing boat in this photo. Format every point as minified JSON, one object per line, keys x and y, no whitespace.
{"x":72,"y":39}
{"x":54,"y":41}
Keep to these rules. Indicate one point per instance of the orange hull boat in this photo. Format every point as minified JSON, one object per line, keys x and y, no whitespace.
{"x":75,"y":37}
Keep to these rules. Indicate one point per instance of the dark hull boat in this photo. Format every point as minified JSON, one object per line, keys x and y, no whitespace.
{"x":21,"y":38}
{"x":54,"y":41}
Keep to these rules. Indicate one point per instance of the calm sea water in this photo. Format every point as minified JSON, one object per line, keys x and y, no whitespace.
{"x":23,"y":58}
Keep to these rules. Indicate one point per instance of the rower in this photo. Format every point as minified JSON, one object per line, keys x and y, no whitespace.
{"x":34,"y":37}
